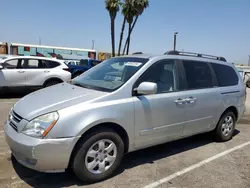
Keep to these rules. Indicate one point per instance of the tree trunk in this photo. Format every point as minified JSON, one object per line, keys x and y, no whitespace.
{"x":121,"y":36}
{"x":129,"y":34}
{"x":132,"y":28}
{"x":113,"y":36}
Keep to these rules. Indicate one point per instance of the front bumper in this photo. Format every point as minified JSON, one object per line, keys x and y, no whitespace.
{"x":44,"y":155}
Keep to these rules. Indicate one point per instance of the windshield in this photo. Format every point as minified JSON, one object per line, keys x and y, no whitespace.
{"x":110,"y":74}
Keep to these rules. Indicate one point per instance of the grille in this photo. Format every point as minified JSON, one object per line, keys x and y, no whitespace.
{"x":15,"y":120}
{"x":16,"y":117}
{"x":13,"y":126}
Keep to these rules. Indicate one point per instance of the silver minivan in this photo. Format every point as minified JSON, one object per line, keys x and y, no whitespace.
{"x":121,"y":105}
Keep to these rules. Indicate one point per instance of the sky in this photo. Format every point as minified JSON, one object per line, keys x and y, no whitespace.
{"x":217,"y":27}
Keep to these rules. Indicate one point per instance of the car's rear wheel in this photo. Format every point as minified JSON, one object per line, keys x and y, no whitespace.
{"x":226,"y":126}
{"x":51,"y":83}
{"x":98,"y":155}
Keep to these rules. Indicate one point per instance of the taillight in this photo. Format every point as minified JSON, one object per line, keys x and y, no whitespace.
{"x":66,"y":69}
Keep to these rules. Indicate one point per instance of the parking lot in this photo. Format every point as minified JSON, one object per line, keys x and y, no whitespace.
{"x":192,"y":162}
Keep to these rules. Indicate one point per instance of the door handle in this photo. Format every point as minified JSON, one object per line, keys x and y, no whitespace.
{"x":190,"y":100}
{"x":179,"y":101}
{"x":46,"y":71}
{"x":21,"y":71}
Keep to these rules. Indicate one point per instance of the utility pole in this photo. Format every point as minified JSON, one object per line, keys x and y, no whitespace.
{"x":249,"y":60}
{"x":93,"y":44}
{"x":175,"y":34}
{"x":39,"y":40}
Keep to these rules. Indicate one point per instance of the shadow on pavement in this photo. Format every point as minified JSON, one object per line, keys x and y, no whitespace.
{"x":14,"y":94}
{"x":131,"y":160}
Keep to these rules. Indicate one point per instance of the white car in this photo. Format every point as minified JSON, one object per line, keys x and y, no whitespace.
{"x":30,"y":71}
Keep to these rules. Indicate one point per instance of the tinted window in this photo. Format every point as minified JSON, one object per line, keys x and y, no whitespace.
{"x":163,"y":74}
{"x":52,"y":64}
{"x":33,"y":64}
{"x":198,"y":75}
{"x":83,"y":62}
{"x":226,"y":75}
{"x":94,"y":63}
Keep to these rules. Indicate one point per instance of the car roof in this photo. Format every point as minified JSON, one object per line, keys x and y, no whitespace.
{"x":146,"y":56}
{"x":181,"y":57}
{"x":34,"y":57}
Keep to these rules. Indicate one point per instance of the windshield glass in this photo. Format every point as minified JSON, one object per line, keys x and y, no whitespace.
{"x":111,"y":74}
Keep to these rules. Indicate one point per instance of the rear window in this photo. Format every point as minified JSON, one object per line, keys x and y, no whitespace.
{"x":226,"y":75}
{"x":52,"y":64}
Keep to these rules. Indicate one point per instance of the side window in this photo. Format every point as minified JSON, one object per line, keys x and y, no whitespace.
{"x":198,"y":75}
{"x":51,"y":64}
{"x":33,"y":64}
{"x":84,"y":62}
{"x":225,"y":74}
{"x":94,"y":63}
{"x":164,"y":74}
{"x":11,"y":64}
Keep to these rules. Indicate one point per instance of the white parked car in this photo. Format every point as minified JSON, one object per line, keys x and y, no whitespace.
{"x":30,"y":71}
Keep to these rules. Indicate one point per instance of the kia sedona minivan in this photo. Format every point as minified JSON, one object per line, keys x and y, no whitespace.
{"x":121,"y":105}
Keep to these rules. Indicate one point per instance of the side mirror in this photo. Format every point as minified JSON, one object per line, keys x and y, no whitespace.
{"x":147,"y":88}
{"x":1,"y":67}
{"x":248,"y":84}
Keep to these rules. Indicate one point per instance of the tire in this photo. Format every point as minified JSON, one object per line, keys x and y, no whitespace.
{"x":51,"y":83}
{"x":77,"y":74}
{"x":92,"y":140}
{"x":226,"y":125}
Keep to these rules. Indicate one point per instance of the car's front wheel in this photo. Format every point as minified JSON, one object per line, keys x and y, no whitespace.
{"x":98,"y":155}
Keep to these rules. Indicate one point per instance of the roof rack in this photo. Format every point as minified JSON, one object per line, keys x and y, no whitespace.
{"x":194,"y":55}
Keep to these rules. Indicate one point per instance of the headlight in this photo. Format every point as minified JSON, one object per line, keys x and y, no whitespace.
{"x":40,"y":126}
{"x":10,"y":114}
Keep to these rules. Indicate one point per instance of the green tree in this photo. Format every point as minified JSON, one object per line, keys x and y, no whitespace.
{"x":135,"y":8}
{"x":113,"y":6}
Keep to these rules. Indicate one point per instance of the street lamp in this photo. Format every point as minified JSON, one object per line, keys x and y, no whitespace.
{"x":175,"y":34}
{"x":93,"y":44}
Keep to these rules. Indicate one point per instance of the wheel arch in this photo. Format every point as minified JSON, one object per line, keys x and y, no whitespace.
{"x":52,"y":79}
{"x":110,"y":125}
{"x":231,"y":109}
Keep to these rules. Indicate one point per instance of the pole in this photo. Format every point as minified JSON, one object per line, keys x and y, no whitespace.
{"x":39,"y":40}
{"x":93,"y":44}
{"x":175,"y":34}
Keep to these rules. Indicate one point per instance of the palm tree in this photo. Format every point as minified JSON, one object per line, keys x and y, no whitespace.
{"x":124,"y":12}
{"x":113,"y":6}
{"x":129,"y":13}
{"x":138,"y":8}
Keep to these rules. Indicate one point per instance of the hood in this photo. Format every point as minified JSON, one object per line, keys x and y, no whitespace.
{"x":52,"y":99}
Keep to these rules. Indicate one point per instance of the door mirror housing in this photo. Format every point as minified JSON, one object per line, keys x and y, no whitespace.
{"x":248,"y":84}
{"x":147,"y":88}
{"x":1,"y":67}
